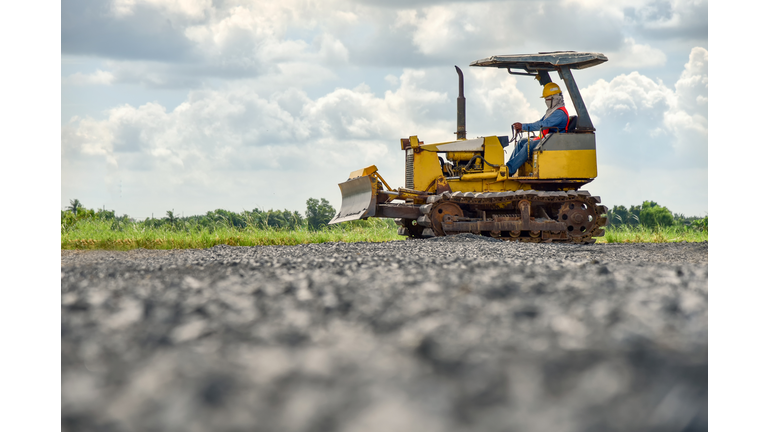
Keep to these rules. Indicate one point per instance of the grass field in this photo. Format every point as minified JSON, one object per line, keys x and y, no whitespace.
{"x":640,"y":234}
{"x":94,"y":234}
{"x":99,"y":234}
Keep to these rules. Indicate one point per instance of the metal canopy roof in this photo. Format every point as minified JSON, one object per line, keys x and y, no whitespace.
{"x":549,"y":61}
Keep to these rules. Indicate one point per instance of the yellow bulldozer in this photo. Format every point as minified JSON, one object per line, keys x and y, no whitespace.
{"x":464,"y":186}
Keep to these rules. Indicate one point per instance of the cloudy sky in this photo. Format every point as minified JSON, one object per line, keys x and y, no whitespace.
{"x":194,"y":105}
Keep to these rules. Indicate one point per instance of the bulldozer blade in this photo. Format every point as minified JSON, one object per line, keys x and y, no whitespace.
{"x":358,"y":199}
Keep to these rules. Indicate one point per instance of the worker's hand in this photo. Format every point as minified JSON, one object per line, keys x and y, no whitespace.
{"x":518,"y":126}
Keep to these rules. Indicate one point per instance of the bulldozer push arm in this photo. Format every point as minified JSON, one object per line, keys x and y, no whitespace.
{"x":464,"y":185}
{"x":364,"y":196}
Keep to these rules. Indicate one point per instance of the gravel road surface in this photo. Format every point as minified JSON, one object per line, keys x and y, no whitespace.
{"x":456,"y":333}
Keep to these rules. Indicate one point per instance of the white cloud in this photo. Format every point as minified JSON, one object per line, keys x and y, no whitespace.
{"x":234,"y":38}
{"x":497,"y":95}
{"x":188,"y":8}
{"x":693,"y":86}
{"x":331,"y":50}
{"x":122,"y":8}
{"x":634,"y":56}
{"x":99,"y":77}
{"x":640,"y":103}
{"x":626,"y":97}
{"x":433,"y":30}
{"x":444,"y":30}
{"x":644,"y":126}
{"x":688,"y":118}
{"x":240,"y":38}
{"x":235,"y":133}
{"x":149,"y":74}
{"x":89,"y":138}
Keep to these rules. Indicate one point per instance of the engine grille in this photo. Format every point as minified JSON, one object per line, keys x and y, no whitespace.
{"x":409,"y":168}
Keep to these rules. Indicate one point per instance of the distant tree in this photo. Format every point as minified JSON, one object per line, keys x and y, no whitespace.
{"x":67,"y":220}
{"x":276,"y":219}
{"x":652,"y":215}
{"x":74,"y":206}
{"x":634,"y":214}
{"x":224,"y":217}
{"x":105,"y":214}
{"x":295,"y":220}
{"x":619,"y":215}
{"x":319,"y":213}
{"x":701,"y":224}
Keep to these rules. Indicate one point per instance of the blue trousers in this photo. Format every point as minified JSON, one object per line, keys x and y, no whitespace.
{"x":520,"y":154}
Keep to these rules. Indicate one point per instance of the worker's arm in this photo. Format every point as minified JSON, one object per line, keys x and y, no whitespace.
{"x":558,"y":119}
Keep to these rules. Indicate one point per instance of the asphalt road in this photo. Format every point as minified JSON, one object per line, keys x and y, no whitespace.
{"x":448,"y":334}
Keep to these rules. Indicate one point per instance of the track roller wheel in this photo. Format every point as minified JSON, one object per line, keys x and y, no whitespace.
{"x":439,"y":211}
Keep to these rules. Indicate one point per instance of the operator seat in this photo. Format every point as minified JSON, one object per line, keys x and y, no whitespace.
{"x":571,"y":124}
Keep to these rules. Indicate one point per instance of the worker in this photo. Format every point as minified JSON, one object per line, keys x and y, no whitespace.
{"x":554,"y":120}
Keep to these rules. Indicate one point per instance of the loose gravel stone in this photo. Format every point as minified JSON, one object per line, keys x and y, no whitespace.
{"x":458,"y":333}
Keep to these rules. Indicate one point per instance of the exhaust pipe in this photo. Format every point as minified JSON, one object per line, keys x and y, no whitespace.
{"x":461,"y":109}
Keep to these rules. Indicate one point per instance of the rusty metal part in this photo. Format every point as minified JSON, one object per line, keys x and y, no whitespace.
{"x":461,"y":109}
{"x":441,"y":185}
{"x":441,"y":211}
{"x":524,"y":222}
{"x":529,"y":216}
{"x":579,"y":217}
{"x":404,"y":211}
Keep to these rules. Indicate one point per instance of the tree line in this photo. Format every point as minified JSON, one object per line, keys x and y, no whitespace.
{"x":316,"y":216}
{"x":650,"y":215}
{"x":319,"y":212}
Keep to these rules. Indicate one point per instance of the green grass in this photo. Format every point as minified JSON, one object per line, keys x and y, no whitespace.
{"x":641,"y":234}
{"x":99,"y":234}
{"x":95,"y":234}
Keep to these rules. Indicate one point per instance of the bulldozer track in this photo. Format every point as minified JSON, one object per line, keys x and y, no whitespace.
{"x":526,"y":216}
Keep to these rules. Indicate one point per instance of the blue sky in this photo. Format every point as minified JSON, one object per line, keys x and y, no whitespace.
{"x":193,"y":105}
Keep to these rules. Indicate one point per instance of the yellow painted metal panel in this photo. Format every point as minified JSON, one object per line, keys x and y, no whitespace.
{"x":363,"y":172}
{"x":486,"y":186}
{"x":426,"y":168}
{"x":480,"y":176}
{"x":567,"y":164}
{"x":465,"y":186}
{"x":462,"y":156}
{"x":494,"y":152}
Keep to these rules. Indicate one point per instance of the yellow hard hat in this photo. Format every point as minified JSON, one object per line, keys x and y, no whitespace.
{"x":550,"y":89}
